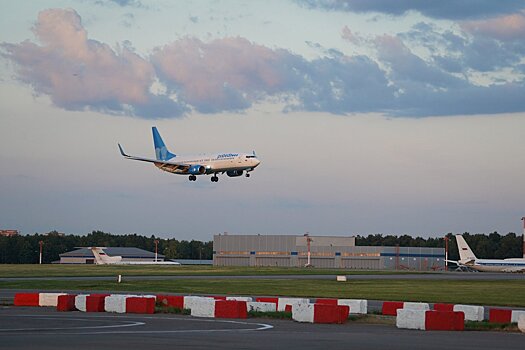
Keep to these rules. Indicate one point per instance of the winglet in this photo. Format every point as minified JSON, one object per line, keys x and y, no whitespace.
{"x":122,"y":151}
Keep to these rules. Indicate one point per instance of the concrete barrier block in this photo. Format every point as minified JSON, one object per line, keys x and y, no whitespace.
{"x":472,"y":312}
{"x":115,"y":303}
{"x":95,"y":303}
{"x":268,"y":300}
{"x":326,"y":301}
{"x":202,"y":307}
{"x":231,"y":309}
{"x":176,"y":301}
{"x":240,"y":298}
{"x":66,"y":302}
{"x":49,"y":299}
{"x":516,"y":315}
{"x":302,"y":312}
{"x":325,"y":313}
{"x":261,"y":307}
{"x":444,"y":321}
{"x":443,"y":307}
{"x":390,"y":307}
{"x":192,"y":301}
{"x":140,"y":305}
{"x":500,"y":315}
{"x":416,"y":306}
{"x":80,"y":302}
{"x":26,"y":299}
{"x":357,"y":306}
{"x":281,"y":306}
{"x":521,"y":323}
{"x":410,"y":319}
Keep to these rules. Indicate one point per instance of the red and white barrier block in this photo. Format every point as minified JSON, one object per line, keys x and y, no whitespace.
{"x":27,"y":299}
{"x":200,"y":306}
{"x":246,"y":299}
{"x":504,"y":315}
{"x":261,"y":307}
{"x":521,"y":323}
{"x":66,"y":302}
{"x":49,"y":299}
{"x":472,"y":312}
{"x":286,"y":304}
{"x":430,"y":320}
{"x":320,"y":313}
{"x":230,"y":309}
{"x":176,"y":301}
{"x":357,"y":306}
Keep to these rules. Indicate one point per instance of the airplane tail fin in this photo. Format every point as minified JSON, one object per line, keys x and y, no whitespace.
{"x":101,"y":258}
{"x":465,"y":253}
{"x":161,"y":152}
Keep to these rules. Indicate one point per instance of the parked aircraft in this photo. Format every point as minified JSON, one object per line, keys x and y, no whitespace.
{"x":468,"y":260}
{"x":233,"y":164}
{"x":101,"y":258}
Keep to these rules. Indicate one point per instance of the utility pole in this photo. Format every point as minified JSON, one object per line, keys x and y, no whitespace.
{"x":156,"y":248}
{"x":40,"y":243}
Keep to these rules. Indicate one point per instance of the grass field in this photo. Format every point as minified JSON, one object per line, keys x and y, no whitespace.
{"x":503,"y":293}
{"x":28,"y":270}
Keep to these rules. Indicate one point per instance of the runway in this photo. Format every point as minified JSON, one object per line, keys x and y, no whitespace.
{"x":44,"y":328}
{"x":477,"y":276}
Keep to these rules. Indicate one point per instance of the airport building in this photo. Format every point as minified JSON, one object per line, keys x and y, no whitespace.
{"x":325,"y":252}
{"x":85,"y":255}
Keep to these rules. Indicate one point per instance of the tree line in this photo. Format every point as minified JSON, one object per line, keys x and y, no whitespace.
{"x":24,"y":249}
{"x":485,"y":246}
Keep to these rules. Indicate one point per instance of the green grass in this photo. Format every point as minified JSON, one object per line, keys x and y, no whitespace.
{"x":487,"y":326}
{"x":502,"y":293}
{"x":56,"y":270}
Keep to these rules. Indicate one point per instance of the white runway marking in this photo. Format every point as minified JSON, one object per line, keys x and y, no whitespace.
{"x":129,"y":323}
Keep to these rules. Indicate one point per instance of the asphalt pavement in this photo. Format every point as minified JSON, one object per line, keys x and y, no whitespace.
{"x":44,"y":328}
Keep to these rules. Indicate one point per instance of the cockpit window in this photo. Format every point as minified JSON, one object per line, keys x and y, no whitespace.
{"x":250,"y":156}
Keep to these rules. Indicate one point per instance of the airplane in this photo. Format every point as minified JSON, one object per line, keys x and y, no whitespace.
{"x":101,"y":258}
{"x":468,"y":260}
{"x":233,"y":164}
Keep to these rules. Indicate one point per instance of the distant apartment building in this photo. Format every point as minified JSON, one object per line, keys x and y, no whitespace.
{"x":8,"y":233}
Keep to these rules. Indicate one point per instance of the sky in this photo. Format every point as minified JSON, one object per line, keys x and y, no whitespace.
{"x":368,"y":116}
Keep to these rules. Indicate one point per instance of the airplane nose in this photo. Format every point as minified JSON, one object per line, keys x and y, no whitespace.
{"x":257,"y":162}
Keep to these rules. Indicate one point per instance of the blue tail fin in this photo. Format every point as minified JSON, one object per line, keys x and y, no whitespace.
{"x":161,"y":152}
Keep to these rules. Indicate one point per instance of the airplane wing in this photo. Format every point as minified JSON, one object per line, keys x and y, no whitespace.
{"x":168,"y":166}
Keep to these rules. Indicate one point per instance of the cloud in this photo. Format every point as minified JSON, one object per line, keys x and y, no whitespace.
{"x":79,"y":73}
{"x":443,"y":9}
{"x":233,"y":73}
{"x":511,"y":27}
{"x":224,"y":74}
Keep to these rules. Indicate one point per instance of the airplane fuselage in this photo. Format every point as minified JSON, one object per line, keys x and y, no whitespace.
{"x":214,"y":163}
{"x":498,"y":265}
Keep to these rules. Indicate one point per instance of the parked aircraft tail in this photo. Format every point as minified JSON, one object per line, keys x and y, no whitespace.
{"x":161,"y":152}
{"x":465,"y":253}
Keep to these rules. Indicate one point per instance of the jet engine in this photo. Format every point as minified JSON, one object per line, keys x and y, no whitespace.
{"x":197,"y":169}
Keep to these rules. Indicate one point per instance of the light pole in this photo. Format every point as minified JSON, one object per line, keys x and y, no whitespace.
{"x":523,"y":219}
{"x":156,"y":248}
{"x":308,"y":240}
{"x":40,"y":243}
{"x":446,"y":253}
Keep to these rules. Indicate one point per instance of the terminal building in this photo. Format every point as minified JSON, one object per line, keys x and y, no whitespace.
{"x":325,"y":252}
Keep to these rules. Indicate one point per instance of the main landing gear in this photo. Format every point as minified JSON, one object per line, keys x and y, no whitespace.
{"x":215,"y":178}
{"x":193,"y":177}
{"x":247,"y":174}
